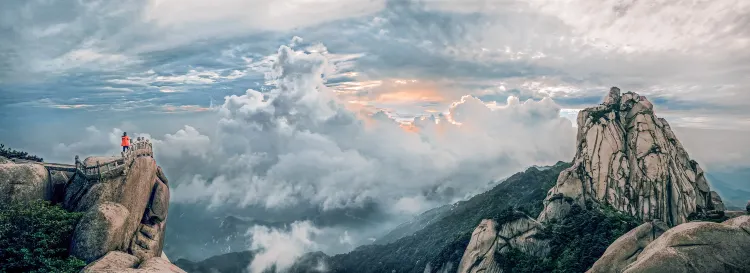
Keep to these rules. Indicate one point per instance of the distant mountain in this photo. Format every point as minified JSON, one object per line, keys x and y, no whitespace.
{"x":414,"y":225}
{"x":230,"y":262}
{"x":443,"y":241}
{"x":437,"y":236}
{"x":733,"y":186}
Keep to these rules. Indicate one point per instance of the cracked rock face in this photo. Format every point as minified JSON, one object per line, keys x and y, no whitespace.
{"x":478,"y":256}
{"x":126,"y":213}
{"x":694,"y":247}
{"x":489,"y":238}
{"x":631,"y":160}
{"x":624,"y":251}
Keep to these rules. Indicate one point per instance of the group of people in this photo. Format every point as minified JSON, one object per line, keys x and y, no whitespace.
{"x":127,"y":141}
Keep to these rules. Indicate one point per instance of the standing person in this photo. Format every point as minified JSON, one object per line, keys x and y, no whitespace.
{"x":125,"y":141}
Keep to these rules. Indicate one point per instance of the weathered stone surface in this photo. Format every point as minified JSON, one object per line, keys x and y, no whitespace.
{"x":100,"y":231}
{"x":479,"y":254}
{"x":630,"y":159}
{"x":518,"y":234}
{"x":623,"y":251}
{"x":698,"y":247}
{"x":158,"y":264}
{"x":148,"y":241}
{"x":132,"y":191}
{"x":120,"y":262}
{"x":23,"y":182}
{"x":159,"y":204}
{"x":112,"y":261}
{"x":161,"y":176}
{"x":716,"y":202}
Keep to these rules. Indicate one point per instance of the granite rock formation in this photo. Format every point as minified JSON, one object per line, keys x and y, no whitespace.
{"x":124,"y":201}
{"x":23,"y":182}
{"x":623,"y":251}
{"x":703,"y":247}
{"x":479,"y":255}
{"x":631,"y":160}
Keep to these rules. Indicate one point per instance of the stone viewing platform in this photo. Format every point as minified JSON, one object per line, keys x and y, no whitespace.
{"x":113,"y":167}
{"x":124,"y":201}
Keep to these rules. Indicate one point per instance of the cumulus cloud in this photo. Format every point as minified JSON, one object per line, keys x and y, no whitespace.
{"x":298,"y":145}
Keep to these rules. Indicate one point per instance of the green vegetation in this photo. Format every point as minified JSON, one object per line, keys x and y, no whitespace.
{"x":34,"y":237}
{"x":8,"y":153}
{"x":444,"y":241}
{"x":577,"y":242}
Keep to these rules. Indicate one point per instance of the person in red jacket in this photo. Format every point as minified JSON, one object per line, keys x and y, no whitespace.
{"x":125,"y":141}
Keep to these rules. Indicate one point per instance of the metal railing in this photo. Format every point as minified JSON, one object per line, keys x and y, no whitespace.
{"x":117,"y":167}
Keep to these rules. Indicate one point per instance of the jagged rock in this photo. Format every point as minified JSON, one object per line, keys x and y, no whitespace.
{"x":716,"y":202}
{"x":121,"y":262}
{"x":100,"y":231}
{"x":631,"y":160}
{"x":479,"y":254}
{"x":518,"y":234}
{"x":157,"y":211}
{"x":132,"y":191}
{"x":23,"y":182}
{"x":4,"y":160}
{"x":112,"y":261}
{"x":623,"y":251}
{"x":698,"y":247}
{"x":161,"y":176}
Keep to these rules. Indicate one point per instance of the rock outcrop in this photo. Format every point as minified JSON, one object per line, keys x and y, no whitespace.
{"x":631,"y":160}
{"x":703,"y":247}
{"x":125,"y":210}
{"x":124,"y":201}
{"x":23,"y":182}
{"x":121,"y":262}
{"x":623,"y":251}
{"x":479,"y":255}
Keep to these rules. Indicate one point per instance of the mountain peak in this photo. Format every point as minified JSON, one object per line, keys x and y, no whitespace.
{"x":630,"y":159}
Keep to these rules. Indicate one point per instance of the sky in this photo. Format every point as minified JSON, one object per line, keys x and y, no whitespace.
{"x":283,"y":109}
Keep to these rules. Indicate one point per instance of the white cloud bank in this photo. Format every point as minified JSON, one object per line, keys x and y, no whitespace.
{"x":298,"y":145}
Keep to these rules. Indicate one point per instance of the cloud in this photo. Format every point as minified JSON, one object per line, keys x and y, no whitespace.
{"x":279,"y":249}
{"x":298,"y":145}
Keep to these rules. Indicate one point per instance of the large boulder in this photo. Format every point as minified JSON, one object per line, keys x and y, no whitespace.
{"x":630,"y":159}
{"x":623,"y":251}
{"x":132,"y":191}
{"x":694,"y":247}
{"x":112,"y":261}
{"x":121,"y":262}
{"x":141,"y":200}
{"x":23,"y":182}
{"x":479,"y":255}
{"x":101,"y":230}
{"x":519,"y":234}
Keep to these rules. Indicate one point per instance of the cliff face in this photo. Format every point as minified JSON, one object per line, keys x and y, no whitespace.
{"x":631,"y":160}
{"x":124,"y":200}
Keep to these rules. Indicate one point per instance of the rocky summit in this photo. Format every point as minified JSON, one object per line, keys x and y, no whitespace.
{"x":630,"y":159}
{"x":124,"y":201}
